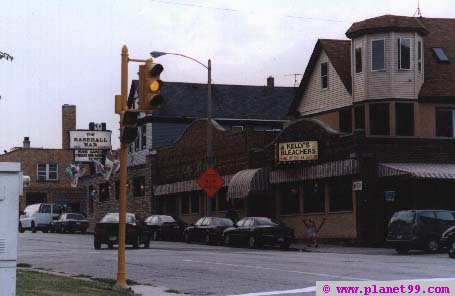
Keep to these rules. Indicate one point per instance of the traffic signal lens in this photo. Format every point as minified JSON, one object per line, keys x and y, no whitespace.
{"x":155,"y":85}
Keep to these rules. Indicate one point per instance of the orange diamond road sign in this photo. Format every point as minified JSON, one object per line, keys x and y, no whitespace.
{"x":210,"y":181}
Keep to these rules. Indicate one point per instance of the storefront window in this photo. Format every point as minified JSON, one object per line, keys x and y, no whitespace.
{"x":313,"y":197}
{"x":379,"y":119}
{"x":195,"y":203}
{"x":289,"y":202}
{"x":341,"y":195}
{"x":185,"y":203}
{"x":221,"y":197}
{"x":138,"y":186}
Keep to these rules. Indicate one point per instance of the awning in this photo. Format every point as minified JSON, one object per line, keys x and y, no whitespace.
{"x":417,"y":170}
{"x":183,"y":186}
{"x":246,"y":181}
{"x":320,"y":171}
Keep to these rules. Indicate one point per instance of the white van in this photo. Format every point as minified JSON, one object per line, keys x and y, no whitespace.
{"x":38,"y":217}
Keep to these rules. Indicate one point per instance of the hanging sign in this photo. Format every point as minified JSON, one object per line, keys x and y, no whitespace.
{"x":90,"y":139}
{"x":297,"y":151}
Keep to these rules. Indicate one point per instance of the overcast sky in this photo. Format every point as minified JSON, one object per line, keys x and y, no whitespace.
{"x":69,"y":51}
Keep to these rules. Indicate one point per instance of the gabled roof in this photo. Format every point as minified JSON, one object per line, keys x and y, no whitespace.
{"x":339,"y":55}
{"x":387,"y":23}
{"x":439,"y":77}
{"x":184,"y":99}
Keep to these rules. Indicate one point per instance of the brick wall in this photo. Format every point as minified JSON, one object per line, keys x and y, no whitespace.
{"x":68,"y":123}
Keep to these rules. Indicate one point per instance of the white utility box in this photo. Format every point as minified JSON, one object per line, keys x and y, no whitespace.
{"x":10,"y":189}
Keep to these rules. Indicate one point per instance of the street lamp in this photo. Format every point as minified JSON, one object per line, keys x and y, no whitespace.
{"x":157,"y":54}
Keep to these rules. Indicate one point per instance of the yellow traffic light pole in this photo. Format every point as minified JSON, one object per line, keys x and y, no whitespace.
{"x":121,"y":107}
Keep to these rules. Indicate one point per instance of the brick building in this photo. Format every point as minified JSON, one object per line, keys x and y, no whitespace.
{"x":45,"y":166}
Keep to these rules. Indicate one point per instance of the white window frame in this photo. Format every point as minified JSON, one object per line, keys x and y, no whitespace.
{"x":326,"y":74}
{"x":399,"y":53}
{"x":371,"y":58}
{"x":47,"y":171}
{"x":420,"y":59}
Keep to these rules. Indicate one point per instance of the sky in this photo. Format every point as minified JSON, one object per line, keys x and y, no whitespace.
{"x":68,"y":52}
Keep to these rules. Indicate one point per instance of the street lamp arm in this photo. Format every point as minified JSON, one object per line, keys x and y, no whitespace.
{"x":185,"y":56}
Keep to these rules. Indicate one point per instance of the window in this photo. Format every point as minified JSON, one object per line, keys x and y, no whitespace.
{"x":185,"y":204}
{"x":440,"y":54}
{"x":117,"y":190}
{"x":444,"y":216}
{"x":222,"y":201}
{"x":91,"y":198}
{"x":345,"y":120}
{"x":103,"y":190}
{"x":379,"y":119}
{"x":378,"y":55}
{"x":358,"y":60}
{"x":137,"y":141}
{"x":139,"y":186}
{"x":313,"y":197}
{"x":324,"y":78}
{"x":419,"y":55}
{"x":359,"y":113}
{"x":445,"y":122}
{"x":404,"y":119}
{"x":241,"y":222}
{"x":341,"y":195}
{"x":404,"y":53}
{"x":199,"y":222}
{"x":194,"y":203}
{"x":47,"y":172}
{"x":290,"y":202}
{"x":143,"y":137}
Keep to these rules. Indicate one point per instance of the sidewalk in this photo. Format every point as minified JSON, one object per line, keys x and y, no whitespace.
{"x":337,"y":249}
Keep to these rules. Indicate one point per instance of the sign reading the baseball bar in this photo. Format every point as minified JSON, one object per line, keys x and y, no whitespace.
{"x":90,"y":140}
{"x":297,"y":151}
{"x":87,"y":155}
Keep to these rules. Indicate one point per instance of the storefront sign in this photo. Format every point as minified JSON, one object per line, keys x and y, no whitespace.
{"x":357,"y":186}
{"x":297,"y":151}
{"x":90,"y":139}
{"x":87,"y":155}
{"x":389,"y":196}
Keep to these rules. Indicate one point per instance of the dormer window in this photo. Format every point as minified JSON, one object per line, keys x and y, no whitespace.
{"x":440,"y":54}
{"x":378,"y":55}
{"x":324,"y":78}
{"x":404,"y":53}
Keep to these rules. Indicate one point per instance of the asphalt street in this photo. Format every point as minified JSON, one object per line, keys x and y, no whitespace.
{"x":215,"y":270}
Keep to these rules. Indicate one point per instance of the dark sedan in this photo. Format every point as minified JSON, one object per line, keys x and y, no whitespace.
{"x":258,"y":231}
{"x":448,"y":241}
{"x":70,"y":222}
{"x":207,"y":229}
{"x":163,"y":227}
{"x":106,"y":231}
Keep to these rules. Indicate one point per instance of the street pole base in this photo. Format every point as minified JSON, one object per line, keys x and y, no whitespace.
{"x":121,"y":287}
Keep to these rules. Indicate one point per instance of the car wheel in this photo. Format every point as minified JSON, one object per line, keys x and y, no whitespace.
{"x":96,"y":244}
{"x":451,"y":250}
{"x":137,"y":242}
{"x":33,"y":227}
{"x":402,"y":250}
{"x":432,"y":245}
{"x":45,"y":230}
{"x":147,"y":243}
{"x":21,"y":229}
{"x":252,"y":242}
{"x":227,"y":240}
{"x":207,"y":239}
{"x":187,"y":238}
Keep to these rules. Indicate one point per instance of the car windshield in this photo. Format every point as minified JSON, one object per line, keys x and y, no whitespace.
{"x":114,"y":218}
{"x":222,"y":222}
{"x":265,"y":221}
{"x":74,"y":217}
{"x":407,"y":217}
{"x":167,"y":219}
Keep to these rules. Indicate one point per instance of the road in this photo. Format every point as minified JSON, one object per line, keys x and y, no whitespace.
{"x":215,"y":270}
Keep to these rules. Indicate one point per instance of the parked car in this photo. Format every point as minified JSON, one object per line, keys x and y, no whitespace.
{"x":258,"y":231}
{"x":207,"y":229}
{"x":448,"y":241}
{"x":163,"y":227}
{"x":418,"y":229}
{"x":106,"y":232}
{"x":70,"y":222}
{"x":38,"y":217}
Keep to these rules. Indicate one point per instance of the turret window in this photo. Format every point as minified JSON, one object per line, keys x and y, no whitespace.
{"x":378,"y":55}
{"x":404,"y":53}
{"x":419,"y":55}
{"x":358,"y":60}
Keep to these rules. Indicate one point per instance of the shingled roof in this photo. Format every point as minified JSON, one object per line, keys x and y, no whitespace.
{"x":338,"y":52}
{"x":387,"y":23}
{"x":184,"y":99}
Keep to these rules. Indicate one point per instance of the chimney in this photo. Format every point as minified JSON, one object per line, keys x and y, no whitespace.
{"x":26,"y":143}
{"x":270,"y":83}
{"x":68,"y":123}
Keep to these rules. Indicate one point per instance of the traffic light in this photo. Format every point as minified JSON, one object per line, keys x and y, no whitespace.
{"x":150,"y":86}
{"x":129,"y":129}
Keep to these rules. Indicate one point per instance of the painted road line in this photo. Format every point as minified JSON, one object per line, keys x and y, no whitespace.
{"x":304,"y":290}
{"x":277,"y":269}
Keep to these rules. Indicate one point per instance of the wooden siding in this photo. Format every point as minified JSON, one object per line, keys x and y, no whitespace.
{"x":315,"y":99}
{"x":379,"y":82}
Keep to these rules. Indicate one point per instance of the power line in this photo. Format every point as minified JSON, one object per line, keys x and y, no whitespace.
{"x":305,"y":18}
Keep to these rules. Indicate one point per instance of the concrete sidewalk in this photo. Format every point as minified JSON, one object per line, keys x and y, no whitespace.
{"x":337,"y":249}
